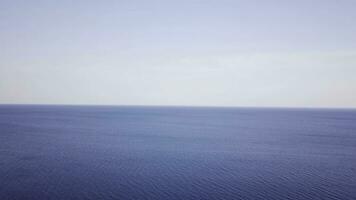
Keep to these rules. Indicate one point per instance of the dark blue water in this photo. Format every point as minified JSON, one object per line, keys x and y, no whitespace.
{"x":164,"y":153}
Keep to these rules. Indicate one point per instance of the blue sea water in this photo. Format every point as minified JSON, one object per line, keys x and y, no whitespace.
{"x":168,"y":153}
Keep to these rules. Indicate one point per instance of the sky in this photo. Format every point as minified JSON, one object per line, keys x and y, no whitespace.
{"x":259,"y":53}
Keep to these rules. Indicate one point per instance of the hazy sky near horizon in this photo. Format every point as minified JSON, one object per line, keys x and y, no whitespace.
{"x":187,"y":52}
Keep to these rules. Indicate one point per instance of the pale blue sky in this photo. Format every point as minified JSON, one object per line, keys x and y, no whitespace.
{"x":220,"y":53}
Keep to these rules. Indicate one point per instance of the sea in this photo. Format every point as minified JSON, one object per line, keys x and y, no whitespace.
{"x":170,"y":153}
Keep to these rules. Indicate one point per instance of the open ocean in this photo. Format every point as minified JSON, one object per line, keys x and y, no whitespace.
{"x":168,"y":153}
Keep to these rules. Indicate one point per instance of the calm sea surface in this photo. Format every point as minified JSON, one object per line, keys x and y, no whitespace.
{"x":168,"y":153}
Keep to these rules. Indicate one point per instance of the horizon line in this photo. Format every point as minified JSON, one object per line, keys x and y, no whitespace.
{"x":182,"y":106}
